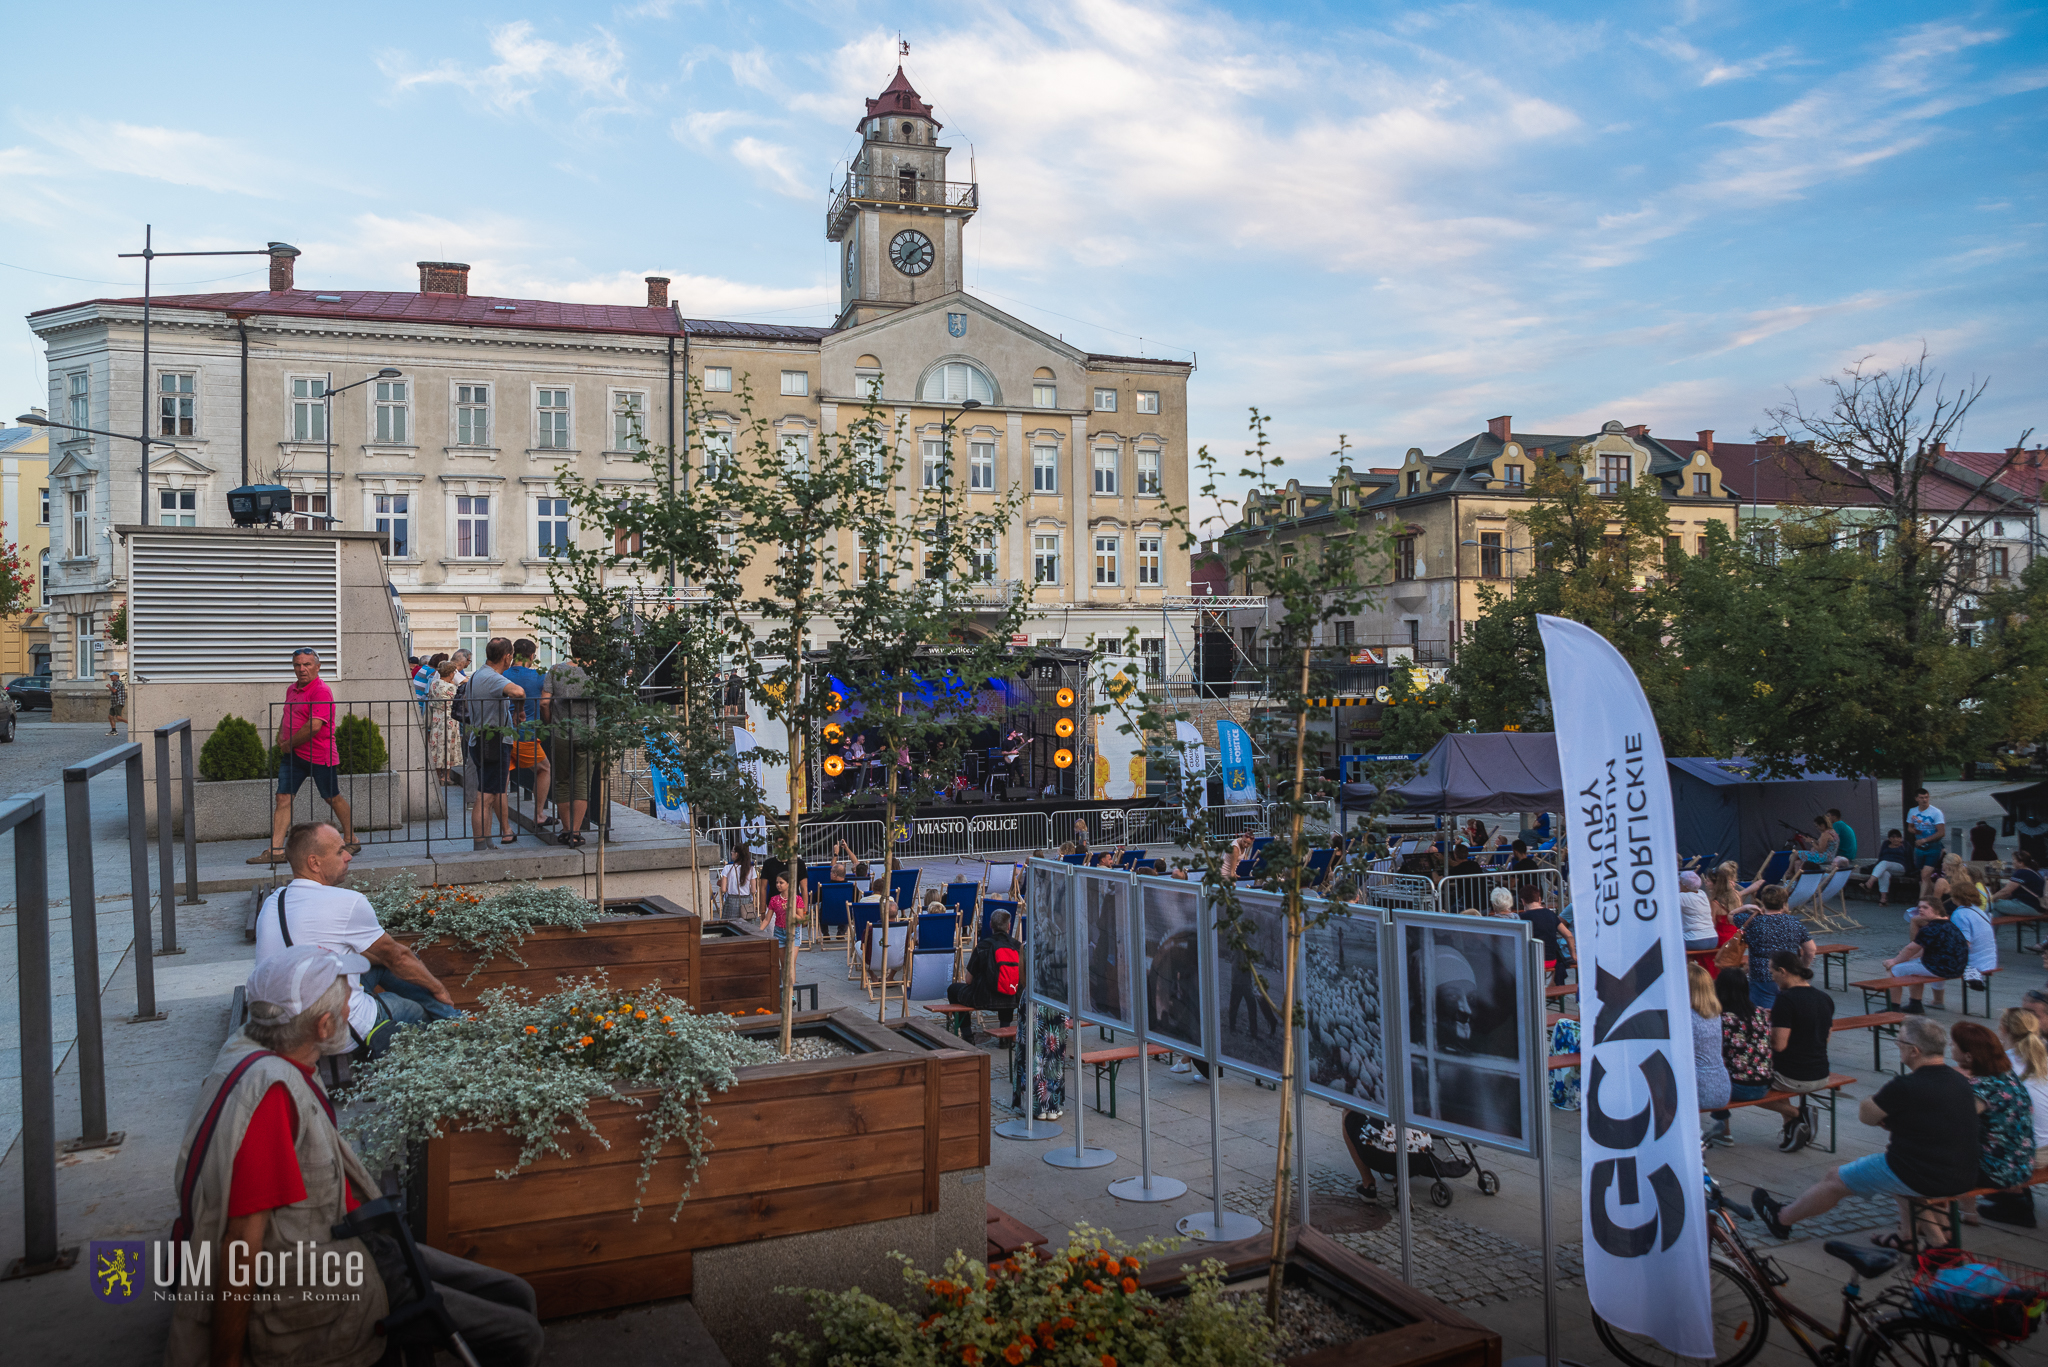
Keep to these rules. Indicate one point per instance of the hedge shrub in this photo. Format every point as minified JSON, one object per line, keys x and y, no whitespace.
{"x":361,"y":746}
{"x":234,"y":751}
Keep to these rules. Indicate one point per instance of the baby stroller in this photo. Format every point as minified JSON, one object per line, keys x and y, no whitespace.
{"x":1440,"y":1158}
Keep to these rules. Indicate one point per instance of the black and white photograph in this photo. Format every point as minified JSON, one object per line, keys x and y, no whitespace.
{"x":1051,"y":934}
{"x":1462,"y":1032}
{"x":1106,"y":946}
{"x":1248,"y":1027}
{"x":1173,"y":962}
{"x":1340,"y":990}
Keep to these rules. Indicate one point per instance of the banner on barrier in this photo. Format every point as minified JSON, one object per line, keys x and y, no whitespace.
{"x":1236,"y":747}
{"x":1645,"y":1210}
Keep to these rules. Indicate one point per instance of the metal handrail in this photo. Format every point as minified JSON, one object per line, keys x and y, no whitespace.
{"x":889,"y":189}
{"x":181,"y":728}
{"x":26,"y":817}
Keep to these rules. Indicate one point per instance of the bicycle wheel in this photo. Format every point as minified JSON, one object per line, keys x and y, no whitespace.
{"x":1923,"y":1343}
{"x":1740,"y":1323}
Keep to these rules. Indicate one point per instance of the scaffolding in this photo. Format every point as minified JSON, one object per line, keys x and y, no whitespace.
{"x":1210,"y":613}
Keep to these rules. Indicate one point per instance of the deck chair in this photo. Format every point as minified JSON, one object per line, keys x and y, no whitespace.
{"x":835,"y":911}
{"x":1130,"y":859}
{"x":881,"y":959}
{"x":866,"y":916}
{"x":903,"y":888}
{"x":1077,"y":860}
{"x":989,"y":907}
{"x":1836,"y":891}
{"x":1803,"y":891}
{"x":961,"y":896}
{"x":1318,"y":867}
{"x":1774,"y":867}
{"x":937,"y":930}
{"x":998,"y":880}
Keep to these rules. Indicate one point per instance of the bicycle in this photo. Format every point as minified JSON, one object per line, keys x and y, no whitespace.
{"x":1888,"y":1330}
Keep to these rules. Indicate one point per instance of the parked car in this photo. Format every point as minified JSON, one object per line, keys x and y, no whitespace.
{"x":30,"y":691}
{"x":7,"y":717}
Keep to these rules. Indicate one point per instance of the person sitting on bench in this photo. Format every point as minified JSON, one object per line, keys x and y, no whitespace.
{"x":2021,"y":893}
{"x":314,"y":908}
{"x":994,"y":972}
{"x":264,"y":1170}
{"x":1932,"y":1116}
{"x":1802,"y":1019}
{"x":1937,"y":951}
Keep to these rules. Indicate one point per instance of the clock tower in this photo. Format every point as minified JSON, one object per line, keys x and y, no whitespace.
{"x":897,"y":219}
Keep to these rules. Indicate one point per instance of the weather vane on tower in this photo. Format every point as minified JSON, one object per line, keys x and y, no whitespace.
{"x":902,"y":45}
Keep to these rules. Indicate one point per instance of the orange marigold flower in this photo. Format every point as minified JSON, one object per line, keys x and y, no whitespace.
{"x":1130,"y":1286}
{"x":640,"y":1015}
{"x":533,"y":1029}
{"x":1132,"y":1264}
{"x":607,"y":1025}
{"x":1108,"y":1361}
{"x":1090,"y":1287}
{"x":1066,"y":1322}
{"x":585,"y":1040}
{"x":1013,"y":1355}
{"x":970,"y":1355}
{"x":665,"y":1020}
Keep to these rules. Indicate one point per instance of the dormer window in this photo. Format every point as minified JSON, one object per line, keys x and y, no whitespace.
{"x":1293,"y":507}
{"x":1343,"y":498}
{"x":1415,"y":481}
{"x":1511,"y":476}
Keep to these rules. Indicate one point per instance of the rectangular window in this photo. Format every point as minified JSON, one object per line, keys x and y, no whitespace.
{"x":718,"y":379}
{"x":1344,"y":497}
{"x":1148,"y":561}
{"x":981,"y":466}
{"x":1346,"y":632}
{"x":473,"y":633}
{"x":551,"y":525}
{"x":626,"y":543}
{"x":1404,"y":558}
{"x":1995,"y":563}
{"x":309,"y":513}
{"x":1045,"y":558}
{"x":796,"y":455}
{"x":393,"y":412}
{"x":472,"y":527}
{"x":1415,"y":481}
{"x":1152,"y":649}
{"x":81,"y":400}
{"x":82,"y":642}
{"x":551,"y":426}
{"x":177,"y":507}
{"x":1045,"y":396}
{"x":1045,"y":469}
{"x":392,"y":517}
{"x":1490,"y":555}
{"x":1512,"y":476}
{"x":1105,"y":559}
{"x":1148,"y":473}
{"x":1293,"y":507}
{"x":44,"y":586}
{"x":1105,"y":469}
{"x":1613,"y":474}
{"x":1148,"y":401}
{"x":1699,"y":545}
{"x":80,"y":544}
{"x":985,"y":558}
{"x":1415,"y":635}
{"x":717,"y":452}
{"x":1672,"y":546}
{"x":934,"y":564}
{"x":932,"y":463}
{"x":1703,"y":486}
{"x":472,"y":415}
{"x":796,"y":383}
{"x":43,"y":501}
{"x":309,"y":409}
{"x":629,"y":420}
{"x":1105,"y":401}
{"x":177,"y":404}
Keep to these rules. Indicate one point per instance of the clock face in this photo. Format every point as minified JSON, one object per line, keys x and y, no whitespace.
{"x":911,"y":251}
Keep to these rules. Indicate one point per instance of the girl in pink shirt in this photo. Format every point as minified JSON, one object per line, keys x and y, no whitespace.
{"x":778,"y":909}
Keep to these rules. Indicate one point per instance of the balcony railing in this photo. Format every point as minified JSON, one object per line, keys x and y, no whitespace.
{"x":858,"y":190}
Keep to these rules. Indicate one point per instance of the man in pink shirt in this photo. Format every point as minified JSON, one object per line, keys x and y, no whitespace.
{"x":307,"y":750}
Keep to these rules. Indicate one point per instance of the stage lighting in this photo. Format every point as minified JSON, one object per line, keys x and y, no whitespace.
{"x":1065,"y":697}
{"x":1063,"y":759}
{"x":1063,"y":728}
{"x":836,"y":700}
{"x":834,"y":732}
{"x":834,"y":765}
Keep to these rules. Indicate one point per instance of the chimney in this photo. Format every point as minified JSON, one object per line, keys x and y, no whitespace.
{"x":657,"y":291}
{"x":1707,"y":440}
{"x":1940,"y":450}
{"x":444,"y":277}
{"x":1504,"y":428}
{"x":282,"y":255}
{"x":1641,"y":429}
{"x":1778,"y":440}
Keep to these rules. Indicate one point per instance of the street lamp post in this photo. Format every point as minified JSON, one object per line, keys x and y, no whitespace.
{"x":946,"y":479}
{"x":327,"y":393}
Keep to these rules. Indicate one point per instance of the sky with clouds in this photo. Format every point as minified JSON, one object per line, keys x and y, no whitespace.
{"x":1390,"y":222}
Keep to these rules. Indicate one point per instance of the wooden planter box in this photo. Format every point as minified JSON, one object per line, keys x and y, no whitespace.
{"x":737,"y":972}
{"x":633,"y":951}
{"x":796,"y":1147}
{"x":1427,"y":1332}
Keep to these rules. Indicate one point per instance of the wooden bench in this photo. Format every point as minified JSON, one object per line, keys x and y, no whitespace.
{"x":1559,"y":991}
{"x":959,"y":1019}
{"x":1955,"y":1203}
{"x":2019,"y":922}
{"x":1877,"y":990}
{"x":1007,"y":1235}
{"x":1824,"y":1099}
{"x":1005,"y":1037}
{"x":1881,"y":1024}
{"x":1827,"y":955}
{"x":1108,"y":1061}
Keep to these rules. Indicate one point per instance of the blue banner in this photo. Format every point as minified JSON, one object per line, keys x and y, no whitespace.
{"x":1238,"y":785}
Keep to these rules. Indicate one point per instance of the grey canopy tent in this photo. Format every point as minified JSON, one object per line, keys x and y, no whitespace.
{"x":1724,"y":810}
{"x":1504,"y":771}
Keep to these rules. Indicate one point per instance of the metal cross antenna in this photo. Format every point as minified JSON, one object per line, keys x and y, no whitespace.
{"x":149,"y":254}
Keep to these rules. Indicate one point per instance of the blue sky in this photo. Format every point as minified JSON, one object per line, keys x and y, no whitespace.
{"x":1387,"y":221}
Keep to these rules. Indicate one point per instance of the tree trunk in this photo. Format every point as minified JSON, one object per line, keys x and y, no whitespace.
{"x":796,"y":856}
{"x":1292,"y":910}
{"x":889,"y":892}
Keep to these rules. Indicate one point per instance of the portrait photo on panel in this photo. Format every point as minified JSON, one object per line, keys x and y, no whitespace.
{"x":1051,"y":940}
{"x":1173,"y":963}
{"x":1248,"y":1026}
{"x":1462,"y":1035}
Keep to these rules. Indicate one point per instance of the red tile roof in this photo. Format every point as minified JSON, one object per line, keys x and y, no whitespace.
{"x":898,"y":98}
{"x":392,"y":306}
{"x":1765,"y":473}
{"x":2023,"y":473}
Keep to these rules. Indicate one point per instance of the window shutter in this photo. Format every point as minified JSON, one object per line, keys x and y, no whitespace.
{"x":201,"y":608}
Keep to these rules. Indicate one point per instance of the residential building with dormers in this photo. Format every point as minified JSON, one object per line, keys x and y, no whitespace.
{"x":458,"y":457}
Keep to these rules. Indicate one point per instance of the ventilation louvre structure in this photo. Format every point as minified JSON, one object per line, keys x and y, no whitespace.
{"x":232,"y":610}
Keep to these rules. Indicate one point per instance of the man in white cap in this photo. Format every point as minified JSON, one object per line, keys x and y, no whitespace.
{"x":315,"y":909}
{"x":264,"y":1171}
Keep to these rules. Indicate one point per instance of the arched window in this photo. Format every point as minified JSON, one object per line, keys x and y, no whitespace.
{"x":956,"y":381}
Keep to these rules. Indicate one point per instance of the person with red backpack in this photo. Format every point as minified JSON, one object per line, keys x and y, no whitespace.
{"x":995,"y":972}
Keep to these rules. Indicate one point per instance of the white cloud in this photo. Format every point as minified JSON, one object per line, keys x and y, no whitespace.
{"x":702,"y":127}
{"x":1764,"y":324}
{"x":699,"y":296}
{"x":1712,"y":70}
{"x":776,"y":166}
{"x":177,"y":155}
{"x":594,"y":68}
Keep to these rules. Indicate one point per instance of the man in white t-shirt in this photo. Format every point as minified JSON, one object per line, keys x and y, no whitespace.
{"x":1927,"y":829}
{"x":314,"y":909}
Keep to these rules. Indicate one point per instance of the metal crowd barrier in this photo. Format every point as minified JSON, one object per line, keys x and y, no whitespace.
{"x":1471,"y":893}
{"x":25,"y":816}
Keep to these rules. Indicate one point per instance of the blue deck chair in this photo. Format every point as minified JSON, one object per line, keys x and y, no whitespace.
{"x":1319,"y":865}
{"x":961,"y":897}
{"x":990,"y":906}
{"x":835,"y":908}
{"x":1131,"y":859}
{"x":903,"y":888}
{"x":817,"y":874}
{"x":1077,"y":860}
{"x":865,"y":916}
{"x":936,"y":930}
{"x":1774,"y":868}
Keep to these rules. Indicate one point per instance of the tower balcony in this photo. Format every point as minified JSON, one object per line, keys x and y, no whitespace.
{"x":857,"y":192}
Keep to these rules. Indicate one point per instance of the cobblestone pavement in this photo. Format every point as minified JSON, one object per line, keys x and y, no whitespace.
{"x":1456,"y":1262}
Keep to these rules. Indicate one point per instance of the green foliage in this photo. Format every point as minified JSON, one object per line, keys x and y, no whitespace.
{"x":234,"y":751}
{"x":360,"y":745}
{"x":530,"y":1068}
{"x":117,"y":626}
{"x":1080,"y":1308}
{"x":17,"y":584}
{"x":492,"y":925}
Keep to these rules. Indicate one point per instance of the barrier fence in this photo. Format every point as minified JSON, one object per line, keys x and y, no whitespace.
{"x":26,"y":817}
{"x":1471,"y":893}
{"x":182,"y":729}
